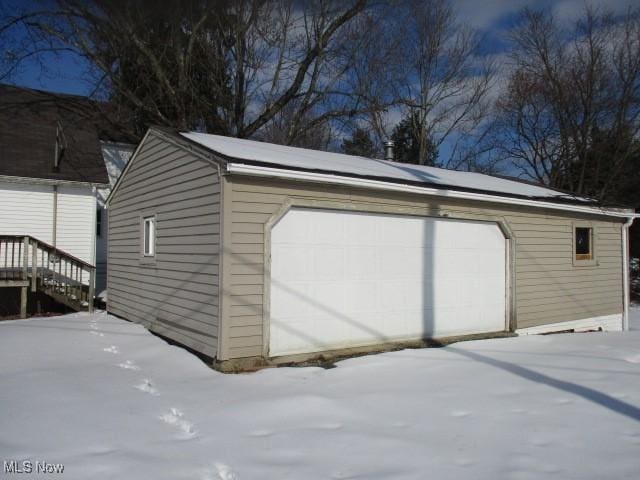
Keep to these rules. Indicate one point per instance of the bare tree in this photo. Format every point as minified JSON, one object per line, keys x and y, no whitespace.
{"x":292,"y":127}
{"x":572,"y":109}
{"x":230,"y":65}
{"x":294,"y":54}
{"x":437,"y":78}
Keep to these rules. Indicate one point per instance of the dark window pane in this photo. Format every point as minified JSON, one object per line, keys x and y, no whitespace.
{"x":583,"y":241}
{"x":147,"y":232}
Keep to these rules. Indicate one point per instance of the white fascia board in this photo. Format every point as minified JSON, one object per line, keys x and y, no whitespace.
{"x":50,"y":181}
{"x":254,"y":170}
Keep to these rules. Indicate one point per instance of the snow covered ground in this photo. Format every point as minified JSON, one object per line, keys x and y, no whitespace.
{"x":108,"y":400}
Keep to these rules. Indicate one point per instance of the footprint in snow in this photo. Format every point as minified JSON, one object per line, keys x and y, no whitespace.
{"x":633,"y":437}
{"x":111,"y":349}
{"x":225,"y":472}
{"x":340,"y":475}
{"x":329,"y":426}
{"x":563,"y":401}
{"x":633,"y":358}
{"x":128,"y":365}
{"x":147,"y":387}
{"x":260,"y":433}
{"x":460,"y":413}
{"x":97,"y":333}
{"x":619,"y":395}
{"x":174,"y":418}
{"x":540,"y":442}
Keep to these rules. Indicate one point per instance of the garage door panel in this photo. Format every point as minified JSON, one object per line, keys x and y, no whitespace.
{"x":360,"y":297}
{"x":360,"y":230}
{"x":448,"y":291}
{"x":360,"y":262}
{"x":328,"y":262}
{"x":326,"y":298}
{"x":327,"y":230}
{"x":342,"y":279}
{"x":297,"y":267}
{"x":288,"y":297}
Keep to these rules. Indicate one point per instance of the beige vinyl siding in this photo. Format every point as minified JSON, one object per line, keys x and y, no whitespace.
{"x":176,"y":293}
{"x":548,"y":288}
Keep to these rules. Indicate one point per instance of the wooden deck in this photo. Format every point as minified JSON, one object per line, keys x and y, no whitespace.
{"x":35,"y":266}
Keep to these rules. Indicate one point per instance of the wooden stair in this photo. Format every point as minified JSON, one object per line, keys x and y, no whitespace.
{"x":33,"y":265}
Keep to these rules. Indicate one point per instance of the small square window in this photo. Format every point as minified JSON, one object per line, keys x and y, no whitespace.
{"x":149,"y":233}
{"x":584,"y":243}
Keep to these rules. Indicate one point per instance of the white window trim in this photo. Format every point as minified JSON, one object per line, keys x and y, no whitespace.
{"x":590,"y":262}
{"x":151,"y":220}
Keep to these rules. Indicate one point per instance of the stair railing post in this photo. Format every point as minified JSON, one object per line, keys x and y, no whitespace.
{"x":34,"y":264}
{"x":25,"y":277}
{"x":25,"y":259}
{"x":92,"y":287}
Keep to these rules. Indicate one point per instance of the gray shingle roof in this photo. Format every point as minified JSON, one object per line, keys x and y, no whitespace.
{"x":28,"y":121}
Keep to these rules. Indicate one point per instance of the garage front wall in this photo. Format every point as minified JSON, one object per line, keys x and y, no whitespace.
{"x":546,"y":286}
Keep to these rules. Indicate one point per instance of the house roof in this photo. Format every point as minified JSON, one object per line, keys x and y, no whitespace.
{"x":278,"y":156}
{"x":28,"y":124}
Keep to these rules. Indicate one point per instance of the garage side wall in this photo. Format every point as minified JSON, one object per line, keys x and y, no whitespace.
{"x":548,"y":288}
{"x":174,"y":293}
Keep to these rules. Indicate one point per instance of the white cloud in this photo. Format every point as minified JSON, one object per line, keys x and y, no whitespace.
{"x":483,"y":15}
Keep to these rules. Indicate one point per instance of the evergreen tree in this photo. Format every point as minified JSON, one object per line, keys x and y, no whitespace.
{"x":360,"y":144}
{"x":406,"y":136}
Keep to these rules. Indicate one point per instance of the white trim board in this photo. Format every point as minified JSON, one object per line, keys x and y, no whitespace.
{"x":254,"y":170}
{"x":607,"y":323}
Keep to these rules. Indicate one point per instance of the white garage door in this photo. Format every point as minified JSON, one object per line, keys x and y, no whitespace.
{"x":341,"y":279}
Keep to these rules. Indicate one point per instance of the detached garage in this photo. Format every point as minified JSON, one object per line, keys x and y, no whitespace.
{"x":244,"y":250}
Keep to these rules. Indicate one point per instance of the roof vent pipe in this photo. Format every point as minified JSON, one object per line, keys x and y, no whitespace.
{"x":388,"y":150}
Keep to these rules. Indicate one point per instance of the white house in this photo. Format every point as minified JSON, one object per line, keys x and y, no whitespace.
{"x":55,"y":173}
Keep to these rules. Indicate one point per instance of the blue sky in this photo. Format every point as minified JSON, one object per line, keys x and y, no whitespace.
{"x":66,"y":73}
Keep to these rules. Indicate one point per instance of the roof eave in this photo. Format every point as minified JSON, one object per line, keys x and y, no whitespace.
{"x":243,"y":168}
{"x":51,"y":181}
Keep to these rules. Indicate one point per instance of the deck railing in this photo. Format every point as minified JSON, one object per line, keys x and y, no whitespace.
{"x":27,"y":262}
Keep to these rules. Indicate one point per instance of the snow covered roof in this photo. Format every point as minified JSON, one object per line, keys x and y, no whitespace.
{"x":283,"y":157}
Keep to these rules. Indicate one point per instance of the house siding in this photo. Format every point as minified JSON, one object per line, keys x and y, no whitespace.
{"x":28,"y":210}
{"x":176,"y":293}
{"x":76,"y":220}
{"x":547,"y":288}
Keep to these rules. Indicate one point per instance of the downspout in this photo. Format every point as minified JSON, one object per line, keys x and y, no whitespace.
{"x":94,"y":239}
{"x":221,"y":261}
{"x":54,"y":233}
{"x":625,"y":272}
